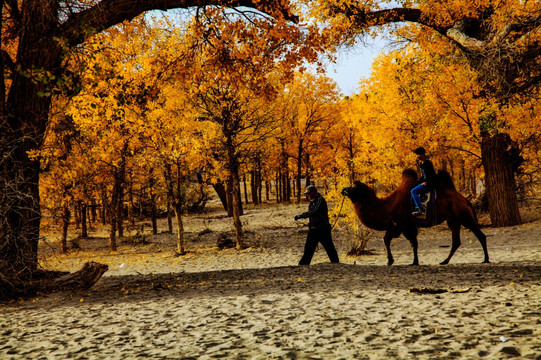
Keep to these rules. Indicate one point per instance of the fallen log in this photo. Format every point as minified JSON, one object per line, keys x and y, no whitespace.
{"x":83,"y":279}
{"x":49,"y":281}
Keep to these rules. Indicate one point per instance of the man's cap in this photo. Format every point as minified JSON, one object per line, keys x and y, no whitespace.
{"x":309,"y":189}
{"x":420,"y":151}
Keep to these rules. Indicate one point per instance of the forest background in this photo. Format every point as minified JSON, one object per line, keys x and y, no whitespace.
{"x":143,"y":113}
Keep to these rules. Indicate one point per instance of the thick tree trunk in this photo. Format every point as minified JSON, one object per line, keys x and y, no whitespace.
{"x":22,"y":129}
{"x":500,"y":179}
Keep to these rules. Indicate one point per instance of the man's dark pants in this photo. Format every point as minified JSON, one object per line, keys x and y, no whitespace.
{"x":315,"y":236}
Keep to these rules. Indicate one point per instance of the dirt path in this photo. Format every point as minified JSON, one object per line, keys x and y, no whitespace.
{"x":256,"y":304}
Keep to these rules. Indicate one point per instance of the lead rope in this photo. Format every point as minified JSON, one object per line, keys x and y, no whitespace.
{"x":339,"y":211}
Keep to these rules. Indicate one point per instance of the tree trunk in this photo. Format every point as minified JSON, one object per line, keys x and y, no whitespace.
{"x":237,"y":212}
{"x":93,"y":214}
{"x":84,"y":222}
{"x":229,"y":193}
{"x":181,"y":249}
{"x":259,"y":183}
{"x":103,"y":209}
{"x":278,"y":182}
{"x":154,"y":215}
{"x":112,"y":232}
{"x":473,"y":183}
{"x":77,"y":215}
{"x":500,"y":179}
{"x":286,"y":188}
{"x":222,"y":194}
{"x":131,"y":206}
{"x":253,"y":186}
{"x":308,"y":171}
{"x":65,"y":224}
{"x":245,"y":189}
{"x":22,"y":128}
{"x":120,"y":211}
{"x":113,"y":211}
{"x":234,"y":190}
{"x":170,"y":196}
{"x":169,"y":218}
{"x":299,"y":171}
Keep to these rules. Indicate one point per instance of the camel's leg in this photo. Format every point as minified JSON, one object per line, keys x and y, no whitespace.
{"x":455,"y":229}
{"x":387,"y":240}
{"x":411,"y":235}
{"x":482,"y":239}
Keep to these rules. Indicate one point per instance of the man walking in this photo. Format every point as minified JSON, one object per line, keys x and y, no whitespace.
{"x":319,"y":227}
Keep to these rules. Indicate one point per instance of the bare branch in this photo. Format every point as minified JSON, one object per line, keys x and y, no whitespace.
{"x":111,"y":12}
{"x":519,"y":28}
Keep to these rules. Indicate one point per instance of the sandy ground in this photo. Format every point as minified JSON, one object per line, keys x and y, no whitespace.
{"x":257,"y":304}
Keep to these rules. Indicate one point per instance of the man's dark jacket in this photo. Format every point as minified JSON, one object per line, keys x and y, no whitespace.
{"x":429,"y":174}
{"x":317,"y":213}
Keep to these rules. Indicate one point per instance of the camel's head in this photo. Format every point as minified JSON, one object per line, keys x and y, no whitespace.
{"x":357,"y":192}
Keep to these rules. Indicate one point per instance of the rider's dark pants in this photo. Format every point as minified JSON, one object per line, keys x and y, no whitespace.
{"x":315,"y":236}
